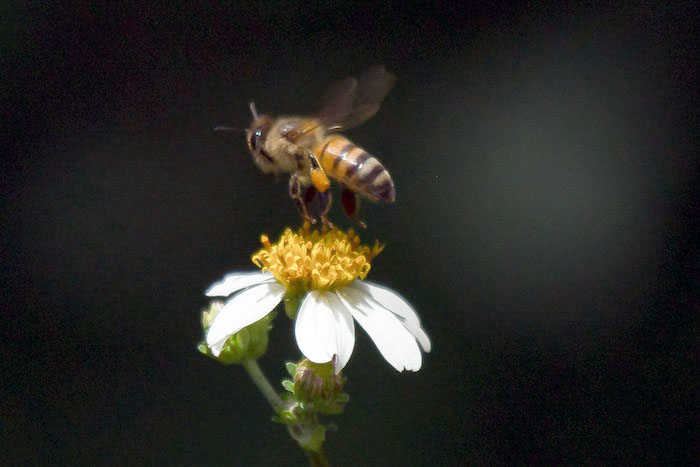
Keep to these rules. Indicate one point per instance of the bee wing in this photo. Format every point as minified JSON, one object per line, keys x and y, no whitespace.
{"x":350,"y":101}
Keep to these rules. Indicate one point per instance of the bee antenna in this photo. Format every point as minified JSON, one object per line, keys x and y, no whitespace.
{"x":227,"y":128}
{"x":252,"y":109}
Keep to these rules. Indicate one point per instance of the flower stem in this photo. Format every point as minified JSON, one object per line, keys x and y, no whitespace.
{"x":262,"y":383}
{"x":316,"y":459}
{"x":302,"y":434}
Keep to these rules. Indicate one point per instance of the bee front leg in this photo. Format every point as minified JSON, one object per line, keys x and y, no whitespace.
{"x":351,"y":206}
{"x":325,"y":199}
{"x":295,"y":192}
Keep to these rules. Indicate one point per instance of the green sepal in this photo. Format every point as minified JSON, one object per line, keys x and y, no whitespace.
{"x":331,"y":409}
{"x":292,"y":414}
{"x":291,"y":368}
{"x":292,"y":300}
{"x":285,"y":417}
{"x":291,"y":306}
{"x":288,"y":384}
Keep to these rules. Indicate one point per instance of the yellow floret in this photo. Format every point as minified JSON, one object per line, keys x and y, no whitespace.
{"x":316,"y":260}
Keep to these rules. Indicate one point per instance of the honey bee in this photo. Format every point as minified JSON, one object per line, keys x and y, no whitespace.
{"x":309,"y":150}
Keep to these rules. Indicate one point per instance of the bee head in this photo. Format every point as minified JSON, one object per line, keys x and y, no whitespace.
{"x":256,"y":135}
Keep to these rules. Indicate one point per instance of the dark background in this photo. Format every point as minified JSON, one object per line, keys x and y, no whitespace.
{"x":542,"y":155}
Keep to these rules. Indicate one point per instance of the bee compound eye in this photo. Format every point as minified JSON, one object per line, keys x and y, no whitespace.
{"x":255,"y":139}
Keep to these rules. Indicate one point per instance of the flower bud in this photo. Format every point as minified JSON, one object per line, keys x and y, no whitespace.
{"x":249,"y":342}
{"x":318,"y":383}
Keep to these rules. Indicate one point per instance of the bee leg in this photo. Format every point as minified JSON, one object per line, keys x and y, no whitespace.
{"x":325,"y":200}
{"x":351,"y":205}
{"x":299,"y":200}
{"x":309,"y":195}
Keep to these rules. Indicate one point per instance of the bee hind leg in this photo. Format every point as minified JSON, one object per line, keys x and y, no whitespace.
{"x":309,"y":195}
{"x":295,"y":192}
{"x":351,"y":206}
{"x":325,"y":199}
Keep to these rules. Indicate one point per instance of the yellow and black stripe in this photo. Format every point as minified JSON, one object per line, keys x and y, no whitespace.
{"x":355,"y":168}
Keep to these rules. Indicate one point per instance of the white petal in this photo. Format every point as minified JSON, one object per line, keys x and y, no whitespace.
{"x":236,"y":281}
{"x":324,"y":328}
{"x":242,"y":310}
{"x":398,"y":305}
{"x":305,"y":330}
{"x":393,"y":340}
{"x":344,"y":331}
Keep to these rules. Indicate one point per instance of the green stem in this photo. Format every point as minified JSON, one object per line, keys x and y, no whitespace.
{"x":262,"y":383}
{"x":301,"y":433}
{"x":317,"y":459}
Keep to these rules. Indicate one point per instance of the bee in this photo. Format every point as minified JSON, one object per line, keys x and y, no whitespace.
{"x":310,"y":150}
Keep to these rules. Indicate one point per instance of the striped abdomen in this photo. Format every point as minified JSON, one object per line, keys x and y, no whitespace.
{"x":355,"y":168}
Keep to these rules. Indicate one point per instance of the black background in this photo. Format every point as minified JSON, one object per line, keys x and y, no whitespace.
{"x":542,"y":155}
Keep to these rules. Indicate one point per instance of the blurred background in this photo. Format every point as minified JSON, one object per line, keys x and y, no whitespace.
{"x":543,"y":161}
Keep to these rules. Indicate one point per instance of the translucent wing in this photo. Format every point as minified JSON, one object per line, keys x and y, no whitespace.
{"x":351,"y":101}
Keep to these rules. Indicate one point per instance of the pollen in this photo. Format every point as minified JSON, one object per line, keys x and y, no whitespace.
{"x":316,"y":260}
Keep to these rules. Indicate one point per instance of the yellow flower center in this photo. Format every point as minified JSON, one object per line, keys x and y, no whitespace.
{"x":316,"y":260}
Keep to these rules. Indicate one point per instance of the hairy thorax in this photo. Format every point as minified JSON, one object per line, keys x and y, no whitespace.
{"x":292,"y":156}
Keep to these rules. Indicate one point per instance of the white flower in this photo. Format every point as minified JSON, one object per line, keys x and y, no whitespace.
{"x":324,"y":326}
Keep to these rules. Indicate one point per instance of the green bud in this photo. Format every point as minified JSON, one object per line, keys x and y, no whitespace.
{"x":249,"y":342}
{"x":317,"y":383}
